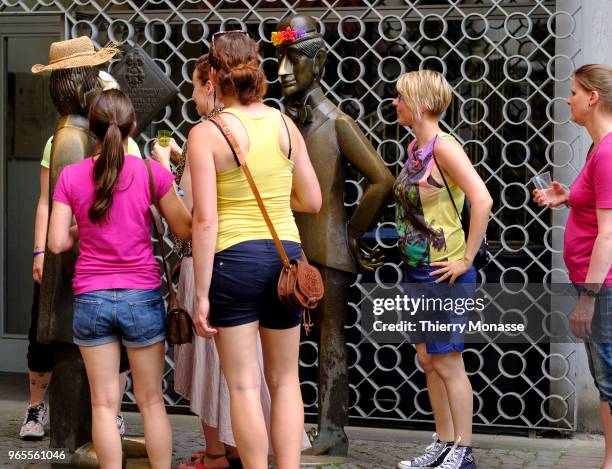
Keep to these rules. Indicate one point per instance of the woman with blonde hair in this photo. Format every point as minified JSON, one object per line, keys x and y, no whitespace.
{"x":587,"y":248}
{"x":429,"y":194}
{"x":236,"y":263}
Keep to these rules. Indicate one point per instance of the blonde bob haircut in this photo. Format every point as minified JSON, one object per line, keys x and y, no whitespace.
{"x":425,"y":90}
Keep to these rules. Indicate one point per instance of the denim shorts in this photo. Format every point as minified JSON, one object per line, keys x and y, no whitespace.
{"x":244,"y":282}
{"x":136,"y":317}
{"x":599,"y":346}
{"x":438,"y":344}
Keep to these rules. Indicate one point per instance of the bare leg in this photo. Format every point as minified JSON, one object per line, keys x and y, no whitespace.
{"x":451,"y":370}
{"x":102,"y":365}
{"x":213,"y":448}
{"x":232,"y":452}
{"x":147,"y":364}
{"x":437,"y":396}
{"x":123,"y":379}
{"x":237,"y":347}
{"x":606,"y":419}
{"x":39,"y":382}
{"x":281,"y":356}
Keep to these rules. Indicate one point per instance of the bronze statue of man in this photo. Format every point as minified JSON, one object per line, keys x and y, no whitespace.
{"x":74,"y":80}
{"x":333,"y":139}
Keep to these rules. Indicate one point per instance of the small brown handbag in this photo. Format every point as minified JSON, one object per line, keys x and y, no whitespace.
{"x":179,"y":326}
{"x":300,"y":284}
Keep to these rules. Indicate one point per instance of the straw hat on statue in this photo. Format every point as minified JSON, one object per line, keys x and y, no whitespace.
{"x":78,"y":52}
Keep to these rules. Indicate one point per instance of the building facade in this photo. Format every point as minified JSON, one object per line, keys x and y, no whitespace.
{"x":509,"y":63}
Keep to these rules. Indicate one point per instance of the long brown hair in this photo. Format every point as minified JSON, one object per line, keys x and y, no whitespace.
{"x":234,"y":56}
{"x":111,"y":119}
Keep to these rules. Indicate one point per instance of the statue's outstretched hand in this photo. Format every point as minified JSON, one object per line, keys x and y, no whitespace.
{"x":368,"y":259}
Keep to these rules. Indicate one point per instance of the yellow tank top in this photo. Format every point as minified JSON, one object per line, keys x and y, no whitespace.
{"x":239,"y":216}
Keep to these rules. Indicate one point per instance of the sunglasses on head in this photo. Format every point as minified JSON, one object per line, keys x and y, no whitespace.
{"x":222,"y":33}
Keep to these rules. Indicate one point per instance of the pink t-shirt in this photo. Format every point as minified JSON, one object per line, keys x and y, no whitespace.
{"x":591,"y":190}
{"x":118,"y":253}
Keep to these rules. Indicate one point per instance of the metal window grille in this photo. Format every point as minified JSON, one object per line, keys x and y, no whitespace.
{"x":501,"y":58}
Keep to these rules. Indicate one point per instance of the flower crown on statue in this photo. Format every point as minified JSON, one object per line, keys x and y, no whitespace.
{"x":287,"y":35}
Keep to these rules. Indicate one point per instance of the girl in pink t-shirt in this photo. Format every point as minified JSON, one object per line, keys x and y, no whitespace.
{"x":116,"y":282}
{"x":588,"y":234}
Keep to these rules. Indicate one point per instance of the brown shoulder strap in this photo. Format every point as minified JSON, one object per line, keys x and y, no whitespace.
{"x":231,"y":140}
{"x":159,"y":231}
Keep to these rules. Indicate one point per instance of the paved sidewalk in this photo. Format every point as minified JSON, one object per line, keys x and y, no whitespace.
{"x":369,"y":448}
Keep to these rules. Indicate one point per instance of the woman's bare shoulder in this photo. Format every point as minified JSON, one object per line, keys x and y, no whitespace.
{"x":202,"y":129}
{"x":446,"y":145}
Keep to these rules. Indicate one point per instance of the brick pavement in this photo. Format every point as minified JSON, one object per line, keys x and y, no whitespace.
{"x":369,"y":449}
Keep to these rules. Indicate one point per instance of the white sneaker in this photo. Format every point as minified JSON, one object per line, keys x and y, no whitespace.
{"x":459,"y":457}
{"x":120,"y":424}
{"x":434,"y":455}
{"x":33,"y":427}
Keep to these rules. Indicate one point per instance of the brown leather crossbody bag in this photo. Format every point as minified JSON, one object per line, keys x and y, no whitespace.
{"x":179,"y":326}
{"x":300,"y":284}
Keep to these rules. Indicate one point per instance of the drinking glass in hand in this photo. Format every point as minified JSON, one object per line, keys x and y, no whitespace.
{"x":549,"y":192}
{"x":542,"y":182}
{"x":163,"y":137}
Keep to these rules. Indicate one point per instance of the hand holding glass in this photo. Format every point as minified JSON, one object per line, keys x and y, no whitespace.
{"x":163,"y":137}
{"x":548,"y":192}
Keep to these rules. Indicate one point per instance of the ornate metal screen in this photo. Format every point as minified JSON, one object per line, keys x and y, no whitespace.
{"x":501,"y":58}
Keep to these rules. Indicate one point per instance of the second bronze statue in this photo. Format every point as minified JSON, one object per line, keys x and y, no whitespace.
{"x":333,"y":139}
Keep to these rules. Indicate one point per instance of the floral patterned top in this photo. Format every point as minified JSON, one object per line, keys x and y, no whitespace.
{"x":428,"y":227}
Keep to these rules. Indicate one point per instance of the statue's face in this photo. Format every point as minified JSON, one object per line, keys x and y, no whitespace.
{"x":72,"y":89}
{"x":295,"y":70}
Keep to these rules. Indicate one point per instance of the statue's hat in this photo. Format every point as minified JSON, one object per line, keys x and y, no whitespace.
{"x":78,"y":52}
{"x":294,"y":29}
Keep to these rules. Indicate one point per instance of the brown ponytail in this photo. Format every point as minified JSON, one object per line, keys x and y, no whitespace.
{"x":111,"y":119}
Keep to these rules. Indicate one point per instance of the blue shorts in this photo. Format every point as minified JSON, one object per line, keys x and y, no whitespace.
{"x":244,"y":282}
{"x":599,"y":346}
{"x":453,"y":341}
{"x":136,"y":317}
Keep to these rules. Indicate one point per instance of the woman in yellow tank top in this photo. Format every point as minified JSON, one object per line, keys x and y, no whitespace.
{"x":236,"y":264}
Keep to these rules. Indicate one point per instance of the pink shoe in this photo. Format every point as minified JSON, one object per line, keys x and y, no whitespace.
{"x":197,"y":455}
{"x":199,"y":464}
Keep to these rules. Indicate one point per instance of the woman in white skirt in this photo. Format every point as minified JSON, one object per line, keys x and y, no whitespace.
{"x":197,"y":370}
